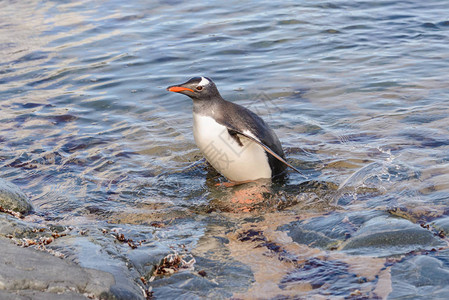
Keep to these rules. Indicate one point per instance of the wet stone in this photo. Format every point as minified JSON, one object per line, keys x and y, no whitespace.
{"x":37,"y":295}
{"x":105,"y":253}
{"x":12,"y":198}
{"x":330,"y":275}
{"x":386,"y":236}
{"x":216,"y":274}
{"x":251,"y":235}
{"x":327,"y":231}
{"x":11,"y":226}
{"x":27,"y":273}
{"x":442,"y":225}
{"x":426,"y":276}
{"x":221,"y":281}
{"x":92,"y":250}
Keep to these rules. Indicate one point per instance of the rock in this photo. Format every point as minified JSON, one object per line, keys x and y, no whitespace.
{"x":386,"y":236}
{"x":442,"y":224}
{"x":92,"y":251}
{"x":26,"y":273}
{"x":327,"y":231}
{"x":95,"y":251}
{"x":36,"y":295}
{"x":11,"y":226}
{"x":423,"y":275}
{"x":12,"y":198}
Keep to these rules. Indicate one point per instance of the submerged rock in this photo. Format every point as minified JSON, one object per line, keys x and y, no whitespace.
{"x":12,"y":198}
{"x":385,"y":236}
{"x":373,"y":233}
{"x":442,"y":225}
{"x":327,"y":231}
{"x":423,"y":275}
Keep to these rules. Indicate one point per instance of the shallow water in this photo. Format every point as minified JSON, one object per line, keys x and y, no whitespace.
{"x":356,"y":92}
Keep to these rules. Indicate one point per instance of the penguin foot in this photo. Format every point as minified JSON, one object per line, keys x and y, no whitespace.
{"x":226,"y":184}
{"x":233,"y":183}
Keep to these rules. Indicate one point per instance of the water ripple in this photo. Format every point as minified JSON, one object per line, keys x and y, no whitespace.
{"x":356,"y":92}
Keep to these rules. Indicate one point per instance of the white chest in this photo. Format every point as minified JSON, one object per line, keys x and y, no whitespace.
{"x":236,"y":162}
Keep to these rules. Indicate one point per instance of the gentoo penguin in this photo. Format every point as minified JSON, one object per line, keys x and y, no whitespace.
{"x":234,"y":140}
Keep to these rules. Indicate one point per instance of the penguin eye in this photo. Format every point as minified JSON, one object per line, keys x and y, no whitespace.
{"x":199,"y":88}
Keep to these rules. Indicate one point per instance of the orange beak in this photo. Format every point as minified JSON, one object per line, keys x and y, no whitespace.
{"x":178,"y":89}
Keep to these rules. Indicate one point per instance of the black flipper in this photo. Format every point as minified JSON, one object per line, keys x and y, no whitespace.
{"x":234,"y":135}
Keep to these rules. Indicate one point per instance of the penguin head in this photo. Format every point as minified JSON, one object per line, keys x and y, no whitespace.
{"x":197,"y":88}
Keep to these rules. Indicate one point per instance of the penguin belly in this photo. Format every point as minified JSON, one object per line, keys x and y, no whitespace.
{"x":237,"y":160}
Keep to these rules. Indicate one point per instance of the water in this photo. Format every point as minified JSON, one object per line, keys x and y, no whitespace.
{"x":356,"y":92}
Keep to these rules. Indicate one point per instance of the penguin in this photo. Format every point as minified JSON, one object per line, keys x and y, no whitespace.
{"x":233,"y":139}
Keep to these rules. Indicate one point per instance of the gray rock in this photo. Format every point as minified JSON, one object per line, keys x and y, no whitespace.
{"x":386,"y":236}
{"x":442,"y":224}
{"x":15,"y":227}
{"x":37,"y":295}
{"x":423,"y":275}
{"x":27,"y":273}
{"x":103,"y":253}
{"x":327,"y":231}
{"x":12,"y":198}
{"x":93,"y":251}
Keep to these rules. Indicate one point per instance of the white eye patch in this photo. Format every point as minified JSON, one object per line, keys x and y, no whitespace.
{"x":203,"y":81}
